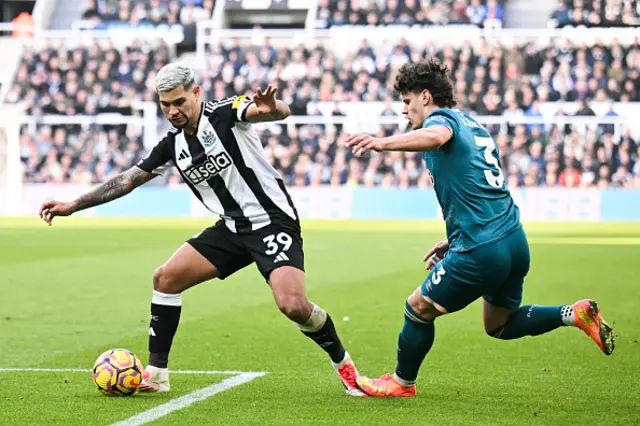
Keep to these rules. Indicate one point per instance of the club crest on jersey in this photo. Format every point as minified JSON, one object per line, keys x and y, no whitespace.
{"x":208,"y":138}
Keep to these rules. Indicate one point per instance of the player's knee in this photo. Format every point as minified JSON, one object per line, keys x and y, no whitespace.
{"x":493,"y":329}
{"x":294,"y":307}
{"x":495,"y":319}
{"x":165,"y":282}
{"x":423,"y":306}
{"x":496,"y":333}
{"x":427,"y":312}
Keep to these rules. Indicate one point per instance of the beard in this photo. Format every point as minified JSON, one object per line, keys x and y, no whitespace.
{"x":180,"y":123}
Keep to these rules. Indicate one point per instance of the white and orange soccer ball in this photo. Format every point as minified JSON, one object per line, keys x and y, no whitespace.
{"x":117,"y":372}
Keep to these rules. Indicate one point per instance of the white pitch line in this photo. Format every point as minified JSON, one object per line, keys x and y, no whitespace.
{"x":87,"y":370}
{"x":187,"y":400}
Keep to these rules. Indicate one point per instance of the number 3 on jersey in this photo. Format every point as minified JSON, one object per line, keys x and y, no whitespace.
{"x":281,"y":242}
{"x":489,"y":146}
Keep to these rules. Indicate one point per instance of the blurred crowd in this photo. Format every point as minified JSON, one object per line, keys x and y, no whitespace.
{"x":597,"y":13}
{"x":79,"y":154}
{"x":488,"y":78}
{"x":530,"y":155}
{"x":548,"y":156}
{"x":567,"y":157}
{"x":408,"y":12}
{"x":87,"y":79}
{"x":152,"y":12}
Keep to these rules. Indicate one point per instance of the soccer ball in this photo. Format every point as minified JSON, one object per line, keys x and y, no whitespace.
{"x":117,"y":372}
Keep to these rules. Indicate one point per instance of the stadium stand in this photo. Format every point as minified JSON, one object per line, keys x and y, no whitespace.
{"x":78,"y":154}
{"x":149,"y":11}
{"x":407,"y":12}
{"x":86,"y":80}
{"x":487,"y":71}
{"x":507,"y":81}
{"x":488,"y":80}
{"x":596,"y":13}
{"x":176,"y":18}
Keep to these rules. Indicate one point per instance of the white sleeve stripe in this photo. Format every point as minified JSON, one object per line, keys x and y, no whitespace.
{"x":209,"y":107}
{"x":222,"y":103}
{"x":242,"y":110}
{"x":160,"y":171}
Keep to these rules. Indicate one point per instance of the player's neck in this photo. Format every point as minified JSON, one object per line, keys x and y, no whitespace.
{"x":192,"y":128}
{"x":429,"y":109}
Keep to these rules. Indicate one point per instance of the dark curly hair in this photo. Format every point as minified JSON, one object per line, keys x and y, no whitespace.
{"x":427,"y":74}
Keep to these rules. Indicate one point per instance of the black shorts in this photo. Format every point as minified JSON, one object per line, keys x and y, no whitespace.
{"x":275,"y":245}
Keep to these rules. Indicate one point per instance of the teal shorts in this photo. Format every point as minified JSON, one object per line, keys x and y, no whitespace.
{"x":494,"y":271}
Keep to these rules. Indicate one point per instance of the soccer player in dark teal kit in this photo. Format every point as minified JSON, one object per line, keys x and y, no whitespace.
{"x":486,"y":253}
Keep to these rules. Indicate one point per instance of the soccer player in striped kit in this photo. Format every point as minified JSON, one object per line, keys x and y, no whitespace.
{"x":220,"y":157}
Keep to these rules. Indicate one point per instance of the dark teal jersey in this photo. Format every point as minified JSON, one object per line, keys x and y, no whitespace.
{"x":468,"y":180}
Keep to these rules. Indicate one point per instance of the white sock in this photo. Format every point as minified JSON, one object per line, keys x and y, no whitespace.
{"x":165,"y":299}
{"x":568,"y":316}
{"x":345,"y":360}
{"x":402,"y":381}
{"x":316,"y":320}
{"x":157,"y":373}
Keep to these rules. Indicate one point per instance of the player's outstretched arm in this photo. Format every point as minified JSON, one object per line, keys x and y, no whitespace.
{"x":266,"y":107}
{"x":114,"y":188}
{"x":420,"y":140}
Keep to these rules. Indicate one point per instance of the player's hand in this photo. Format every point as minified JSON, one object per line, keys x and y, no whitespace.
{"x":436,"y":254}
{"x":266,"y":101}
{"x":51,"y":209}
{"x":361,"y":143}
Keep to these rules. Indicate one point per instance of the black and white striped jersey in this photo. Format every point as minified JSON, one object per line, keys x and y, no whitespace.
{"x":225,"y":167}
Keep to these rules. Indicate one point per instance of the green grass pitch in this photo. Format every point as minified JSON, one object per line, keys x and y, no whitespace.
{"x":71,"y":291}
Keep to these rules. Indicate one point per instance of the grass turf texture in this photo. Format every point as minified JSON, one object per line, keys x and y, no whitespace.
{"x":71,"y":291}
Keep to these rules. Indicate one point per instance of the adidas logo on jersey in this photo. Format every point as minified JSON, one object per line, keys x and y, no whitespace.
{"x":183,"y":154}
{"x":280,"y":258}
{"x":212,"y":166}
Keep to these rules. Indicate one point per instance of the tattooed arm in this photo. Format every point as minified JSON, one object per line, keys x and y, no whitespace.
{"x":114,"y":188}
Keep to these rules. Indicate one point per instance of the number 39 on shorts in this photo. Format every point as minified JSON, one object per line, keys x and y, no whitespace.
{"x":277,"y":242}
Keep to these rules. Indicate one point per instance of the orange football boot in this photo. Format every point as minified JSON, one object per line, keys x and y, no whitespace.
{"x":385,"y":386}
{"x":589,"y":320}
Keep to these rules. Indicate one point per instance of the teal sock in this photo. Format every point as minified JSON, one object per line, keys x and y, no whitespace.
{"x":414,"y":342}
{"x":531,"y":320}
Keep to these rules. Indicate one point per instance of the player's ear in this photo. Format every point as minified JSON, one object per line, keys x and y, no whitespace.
{"x":196,"y":91}
{"x":426,"y":97}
